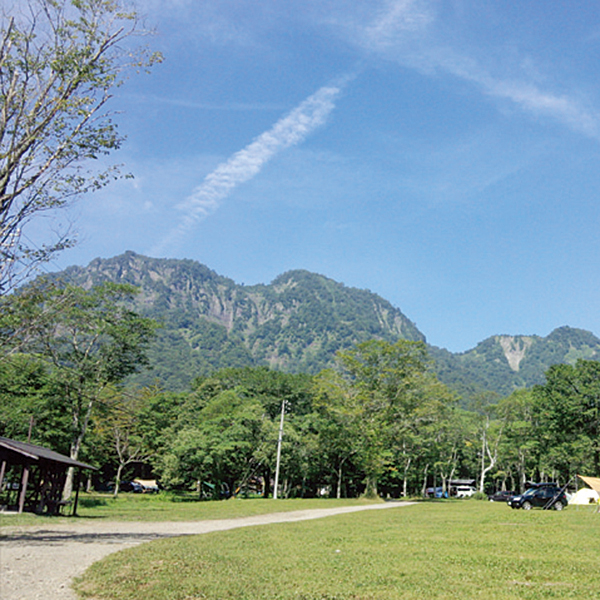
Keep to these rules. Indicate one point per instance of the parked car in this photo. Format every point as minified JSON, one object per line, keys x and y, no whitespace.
{"x":437,"y":492}
{"x":465,"y":491}
{"x":540,"y":495}
{"x":131,"y":486}
{"x":502,"y":496}
{"x":149,"y":486}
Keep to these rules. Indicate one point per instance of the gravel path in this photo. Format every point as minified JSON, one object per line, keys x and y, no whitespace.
{"x":40,"y":562}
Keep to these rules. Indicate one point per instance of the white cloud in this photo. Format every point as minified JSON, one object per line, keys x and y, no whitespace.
{"x":395,"y":20}
{"x":406,"y":31}
{"x":245,"y":164}
{"x":566,"y":109}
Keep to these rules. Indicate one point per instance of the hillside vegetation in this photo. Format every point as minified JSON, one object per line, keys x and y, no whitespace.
{"x":298,"y":322}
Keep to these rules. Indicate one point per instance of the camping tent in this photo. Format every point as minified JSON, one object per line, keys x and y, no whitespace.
{"x":594,"y":483}
{"x":585,"y":496}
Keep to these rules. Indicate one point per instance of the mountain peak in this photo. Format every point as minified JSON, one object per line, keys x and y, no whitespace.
{"x":298,"y":322}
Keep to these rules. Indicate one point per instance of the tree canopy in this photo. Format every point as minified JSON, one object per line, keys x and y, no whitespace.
{"x":86,"y":340}
{"x":59,"y":62}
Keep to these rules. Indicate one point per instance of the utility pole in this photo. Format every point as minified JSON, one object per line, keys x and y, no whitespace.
{"x":279,"y":451}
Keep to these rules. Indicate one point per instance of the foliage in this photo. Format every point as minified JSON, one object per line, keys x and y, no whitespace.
{"x":379,"y":422}
{"x":87,"y":340}
{"x":227,"y":428}
{"x":30,"y":398}
{"x":568,"y":413}
{"x":295,"y":324}
{"x":119,"y":426}
{"x":486,"y":367}
{"x":390,"y":401}
{"x":479,"y":496}
{"x":59,"y":61}
{"x":298,"y":322}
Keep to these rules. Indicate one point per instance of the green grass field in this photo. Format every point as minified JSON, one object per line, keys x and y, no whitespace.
{"x":453,"y":549}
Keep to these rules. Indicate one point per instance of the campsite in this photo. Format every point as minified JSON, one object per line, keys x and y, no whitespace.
{"x":439,"y":548}
{"x":298,"y":300}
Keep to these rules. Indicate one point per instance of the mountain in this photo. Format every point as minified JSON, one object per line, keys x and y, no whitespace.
{"x":297,"y":323}
{"x":503,"y":363}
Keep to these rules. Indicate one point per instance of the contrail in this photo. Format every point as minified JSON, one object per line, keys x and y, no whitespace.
{"x":290,"y":130}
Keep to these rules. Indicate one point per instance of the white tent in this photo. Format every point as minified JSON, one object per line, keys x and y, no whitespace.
{"x":585,"y":496}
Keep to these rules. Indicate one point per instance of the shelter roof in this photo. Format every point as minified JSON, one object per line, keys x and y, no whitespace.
{"x":461,"y":482}
{"x":39,"y":453}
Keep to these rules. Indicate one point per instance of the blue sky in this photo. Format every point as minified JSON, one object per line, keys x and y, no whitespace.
{"x":441,"y":153}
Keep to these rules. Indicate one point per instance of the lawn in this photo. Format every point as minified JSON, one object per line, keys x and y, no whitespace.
{"x":453,"y":549}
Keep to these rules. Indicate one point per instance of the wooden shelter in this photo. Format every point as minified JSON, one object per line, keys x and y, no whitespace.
{"x":41,"y":476}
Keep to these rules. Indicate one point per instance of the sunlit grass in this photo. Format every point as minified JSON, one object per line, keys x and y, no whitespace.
{"x":458,"y":549}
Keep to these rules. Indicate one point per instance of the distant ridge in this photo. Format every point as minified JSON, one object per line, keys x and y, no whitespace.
{"x":504,"y":363}
{"x":297,"y":323}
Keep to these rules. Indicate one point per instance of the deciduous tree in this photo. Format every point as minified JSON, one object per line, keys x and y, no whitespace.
{"x":59,"y":62}
{"x":88,"y":340}
{"x":384,"y":378}
{"x":568,"y":409}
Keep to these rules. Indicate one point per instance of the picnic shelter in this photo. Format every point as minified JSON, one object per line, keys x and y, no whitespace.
{"x":37,"y":475}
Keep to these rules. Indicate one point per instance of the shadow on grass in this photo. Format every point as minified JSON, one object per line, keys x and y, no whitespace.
{"x":59,"y":538}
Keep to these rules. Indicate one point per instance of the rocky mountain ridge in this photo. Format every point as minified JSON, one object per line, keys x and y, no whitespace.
{"x":297,"y":323}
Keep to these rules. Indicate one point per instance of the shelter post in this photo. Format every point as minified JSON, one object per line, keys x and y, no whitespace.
{"x":2,"y":472}
{"x":23,"y":490}
{"x":77,"y":484}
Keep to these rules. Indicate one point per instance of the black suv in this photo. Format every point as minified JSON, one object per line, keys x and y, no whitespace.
{"x":542,"y":495}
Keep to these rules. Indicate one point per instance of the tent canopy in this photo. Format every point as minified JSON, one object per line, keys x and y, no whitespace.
{"x":593,"y":482}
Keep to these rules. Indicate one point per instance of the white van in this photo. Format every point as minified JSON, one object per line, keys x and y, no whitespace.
{"x":465,"y":491}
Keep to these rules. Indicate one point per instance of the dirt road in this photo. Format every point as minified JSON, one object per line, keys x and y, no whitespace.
{"x":40,"y":562}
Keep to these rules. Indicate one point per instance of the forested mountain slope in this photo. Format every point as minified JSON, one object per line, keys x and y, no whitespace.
{"x":297,"y":323}
{"x":503,"y":363}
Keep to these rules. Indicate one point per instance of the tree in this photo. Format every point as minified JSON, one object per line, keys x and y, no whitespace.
{"x":339,"y":429}
{"x":30,"y":403}
{"x":59,"y":62}
{"x":270,"y":388}
{"x":568,"y":409}
{"x":385,"y":379}
{"x":490,"y":431}
{"x":122,"y":428}
{"x":88,"y":339}
{"x":519,"y":450}
{"x":225,"y":446}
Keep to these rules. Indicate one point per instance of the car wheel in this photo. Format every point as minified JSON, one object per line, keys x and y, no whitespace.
{"x":526,"y":505}
{"x":558,"y":505}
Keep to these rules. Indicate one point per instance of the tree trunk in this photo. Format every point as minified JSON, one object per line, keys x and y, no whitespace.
{"x":81,"y":427}
{"x":371,"y":486}
{"x":118,"y":480}
{"x":267,"y":483}
{"x":405,"y":478}
{"x":424,"y":488}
